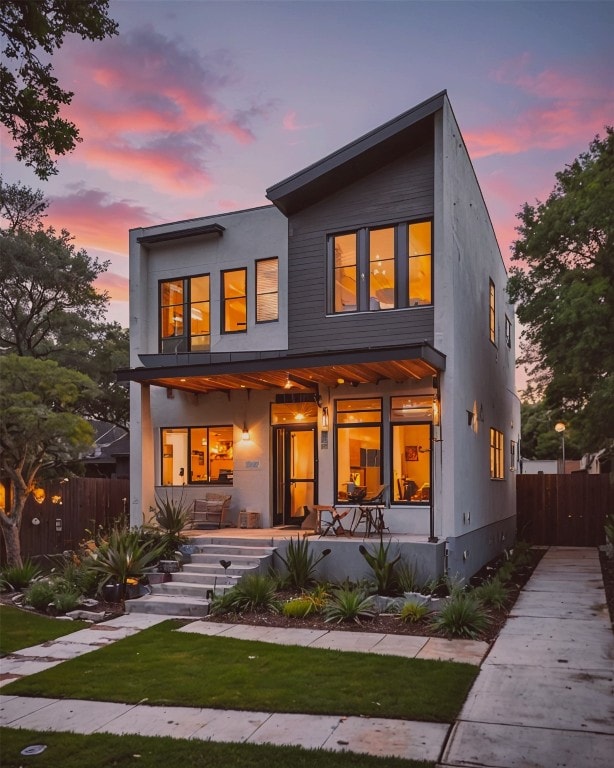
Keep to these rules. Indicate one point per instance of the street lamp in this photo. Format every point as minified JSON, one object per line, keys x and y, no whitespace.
{"x":560,"y":428}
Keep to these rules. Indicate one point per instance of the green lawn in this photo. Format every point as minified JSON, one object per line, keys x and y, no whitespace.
{"x":22,"y":629}
{"x":172,"y":668}
{"x":68,"y":750}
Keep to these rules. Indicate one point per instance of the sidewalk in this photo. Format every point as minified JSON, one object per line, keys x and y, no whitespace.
{"x":545,"y":693}
{"x":543,"y":697}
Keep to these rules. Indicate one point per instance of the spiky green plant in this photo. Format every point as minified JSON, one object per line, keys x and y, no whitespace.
{"x":383,"y":567}
{"x":406,"y":577}
{"x":20,"y":576}
{"x":413,"y":611}
{"x":66,"y":600}
{"x":493,"y":593}
{"x":462,"y":616}
{"x":255,"y":591}
{"x":301,"y":563}
{"x":122,"y":557}
{"x":347,"y":604}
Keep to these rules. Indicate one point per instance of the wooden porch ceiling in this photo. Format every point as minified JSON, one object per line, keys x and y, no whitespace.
{"x":301,"y":379}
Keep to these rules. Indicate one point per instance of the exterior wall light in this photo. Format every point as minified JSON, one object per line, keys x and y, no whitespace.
{"x":325,"y":418}
{"x":245,"y":433}
{"x":39,"y":495}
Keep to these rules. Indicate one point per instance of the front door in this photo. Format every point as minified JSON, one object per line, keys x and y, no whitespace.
{"x":294,"y":468}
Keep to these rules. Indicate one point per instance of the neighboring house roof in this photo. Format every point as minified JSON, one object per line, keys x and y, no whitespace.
{"x":109,"y":441}
{"x":376,"y":148}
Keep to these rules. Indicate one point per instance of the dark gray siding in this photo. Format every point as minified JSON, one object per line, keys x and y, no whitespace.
{"x":400,"y":191}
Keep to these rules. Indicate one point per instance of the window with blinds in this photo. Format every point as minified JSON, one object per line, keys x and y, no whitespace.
{"x":267,"y":290}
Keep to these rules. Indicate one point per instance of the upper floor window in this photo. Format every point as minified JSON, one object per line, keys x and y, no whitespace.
{"x":382,"y":268}
{"x":234,"y":301}
{"x":496,"y":454}
{"x":492,"y":314}
{"x":508,"y":332}
{"x":267,"y":290}
{"x":185,"y":314}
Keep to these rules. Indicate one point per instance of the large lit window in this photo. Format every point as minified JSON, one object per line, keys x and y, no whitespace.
{"x":394,"y":264}
{"x":411,"y":419}
{"x":496,"y":454}
{"x":359,"y":446}
{"x":492,"y":316}
{"x":420,"y":251}
{"x":234,"y":301}
{"x":267,"y":290}
{"x":381,"y":268}
{"x":192,"y":455}
{"x":345,"y":270}
{"x":185,"y":314}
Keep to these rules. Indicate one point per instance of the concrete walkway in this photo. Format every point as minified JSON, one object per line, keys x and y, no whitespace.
{"x":545,"y":693}
{"x":543,"y":697}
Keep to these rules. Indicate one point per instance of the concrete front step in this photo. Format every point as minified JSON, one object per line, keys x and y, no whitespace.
{"x":186,"y":588}
{"x":169,"y":605}
{"x":249,"y":561}
{"x":202,"y":577}
{"x":228,"y":550}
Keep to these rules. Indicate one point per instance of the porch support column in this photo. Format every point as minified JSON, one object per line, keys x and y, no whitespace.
{"x":142,"y":465}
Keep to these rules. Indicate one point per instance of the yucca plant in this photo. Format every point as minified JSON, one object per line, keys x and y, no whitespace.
{"x":172,"y":517}
{"x":462,"y":616}
{"x":383,"y":568}
{"x":301,"y":563}
{"x":346,"y":604}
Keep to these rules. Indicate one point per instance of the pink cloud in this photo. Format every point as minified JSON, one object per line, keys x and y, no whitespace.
{"x":96,"y":221}
{"x":148,"y":105}
{"x":564,"y":110}
{"x":116,"y":286}
{"x":290,"y":122}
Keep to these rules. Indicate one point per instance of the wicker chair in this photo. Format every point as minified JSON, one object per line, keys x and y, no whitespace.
{"x":211,"y":511}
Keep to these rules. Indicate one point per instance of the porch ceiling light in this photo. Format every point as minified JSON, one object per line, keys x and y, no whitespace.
{"x":288,"y":384}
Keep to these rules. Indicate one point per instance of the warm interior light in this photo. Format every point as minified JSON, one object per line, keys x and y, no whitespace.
{"x":39,"y":495}
{"x":436,"y":412}
{"x":340,"y":381}
{"x":245,"y":433}
{"x":288,"y":384}
{"x":299,"y":416}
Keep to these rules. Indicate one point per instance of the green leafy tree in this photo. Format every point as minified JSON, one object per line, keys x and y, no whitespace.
{"x":40,"y":433}
{"x":563,"y":286}
{"x":49,"y":306}
{"x":539,"y":440}
{"x":32,"y":98}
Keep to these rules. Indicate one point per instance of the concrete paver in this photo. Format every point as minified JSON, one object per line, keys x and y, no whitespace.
{"x":293,"y":729}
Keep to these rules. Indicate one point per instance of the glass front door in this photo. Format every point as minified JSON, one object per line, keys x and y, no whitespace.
{"x":294,"y":469}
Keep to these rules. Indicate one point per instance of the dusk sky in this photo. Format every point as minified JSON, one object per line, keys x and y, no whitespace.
{"x":196,"y":107}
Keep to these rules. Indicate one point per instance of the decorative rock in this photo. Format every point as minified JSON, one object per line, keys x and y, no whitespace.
{"x":85,"y":615}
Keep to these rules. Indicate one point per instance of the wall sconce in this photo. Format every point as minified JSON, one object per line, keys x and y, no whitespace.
{"x":57,"y":499}
{"x":325,"y":418}
{"x":39,"y":495}
{"x":245,"y":433}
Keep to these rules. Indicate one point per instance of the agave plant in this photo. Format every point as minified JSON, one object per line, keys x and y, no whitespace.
{"x":122,"y":557}
{"x":171,"y":517}
{"x":462,"y":616}
{"x":301,"y":563}
{"x":383,"y":568}
{"x":347,"y":604}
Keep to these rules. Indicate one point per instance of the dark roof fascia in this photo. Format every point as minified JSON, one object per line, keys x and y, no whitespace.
{"x":179,"y":234}
{"x":230,"y":366}
{"x":304,"y":186}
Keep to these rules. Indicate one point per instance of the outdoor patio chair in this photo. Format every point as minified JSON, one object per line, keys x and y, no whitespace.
{"x":370,"y":512}
{"x":211,"y":511}
{"x":330,"y":522}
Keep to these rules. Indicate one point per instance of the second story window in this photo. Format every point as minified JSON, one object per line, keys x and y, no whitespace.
{"x":508,"y":332}
{"x":492,"y":316}
{"x":185,"y":314}
{"x":382,"y":268}
{"x":267,"y":290}
{"x":234,"y":301}
{"x":496,"y":454}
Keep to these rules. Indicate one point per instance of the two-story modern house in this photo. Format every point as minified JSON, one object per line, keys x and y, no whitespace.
{"x":354,"y":333}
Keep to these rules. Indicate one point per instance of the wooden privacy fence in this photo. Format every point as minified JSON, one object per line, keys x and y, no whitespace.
{"x":563,"y":510}
{"x":70,"y":508}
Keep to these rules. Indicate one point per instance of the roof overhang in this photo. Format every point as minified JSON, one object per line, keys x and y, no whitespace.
{"x":368,"y":153}
{"x":305,"y":372}
{"x":180,"y":234}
